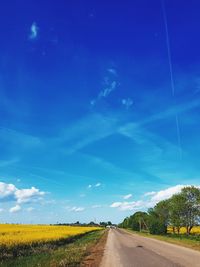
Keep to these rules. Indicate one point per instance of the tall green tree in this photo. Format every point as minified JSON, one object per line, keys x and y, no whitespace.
{"x":177,"y":211}
{"x":139,"y":221}
{"x":159,"y":217}
{"x":191,"y":202}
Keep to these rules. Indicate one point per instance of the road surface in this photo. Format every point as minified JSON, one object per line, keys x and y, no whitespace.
{"x":130,"y":250}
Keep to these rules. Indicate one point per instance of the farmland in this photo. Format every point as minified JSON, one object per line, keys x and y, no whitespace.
{"x":19,"y":241}
{"x":12,"y":235}
{"x":195,"y":230}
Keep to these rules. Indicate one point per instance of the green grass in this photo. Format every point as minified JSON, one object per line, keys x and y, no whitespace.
{"x":192,"y":241}
{"x":66,"y":255}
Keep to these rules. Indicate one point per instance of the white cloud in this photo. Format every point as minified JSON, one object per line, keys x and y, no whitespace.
{"x":26,"y":195}
{"x":15,"y":209}
{"x":7,"y":190}
{"x":97,"y":185}
{"x":33,"y":31}
{"x":116,"y":205}
{"x":151,"y":201}
{"x":11,"y":192}
{"x":167,"y":193}
{"x":1,"y":210}
{"x":77,"y":209}
{"x":127,"y":196}
{"x":127,"y":205}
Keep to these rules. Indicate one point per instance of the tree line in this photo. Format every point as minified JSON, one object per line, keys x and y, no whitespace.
{"x":181,"y":210}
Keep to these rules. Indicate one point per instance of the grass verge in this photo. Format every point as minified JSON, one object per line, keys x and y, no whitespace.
{"x":65,"y":255}
{"x":192,"y":241}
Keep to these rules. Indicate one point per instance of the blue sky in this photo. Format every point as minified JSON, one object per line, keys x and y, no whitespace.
{"x":89,"y":126}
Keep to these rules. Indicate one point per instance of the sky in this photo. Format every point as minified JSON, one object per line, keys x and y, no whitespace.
{"x":99,"y":107}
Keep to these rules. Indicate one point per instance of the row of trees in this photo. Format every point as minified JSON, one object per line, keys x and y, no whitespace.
{"x":181,"y":210}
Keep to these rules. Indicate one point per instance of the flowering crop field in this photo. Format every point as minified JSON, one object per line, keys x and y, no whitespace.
{"x":12,"y":235}
{"x":195,"y":230}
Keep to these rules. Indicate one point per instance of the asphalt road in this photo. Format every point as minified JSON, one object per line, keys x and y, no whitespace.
{"x":130,"y":250}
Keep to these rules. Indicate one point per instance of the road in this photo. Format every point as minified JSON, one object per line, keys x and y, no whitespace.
{"x":130,"y":250}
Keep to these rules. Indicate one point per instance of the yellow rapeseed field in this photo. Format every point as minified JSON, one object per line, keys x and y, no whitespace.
{"x":12,"y":234}
{"x":195,"y":230}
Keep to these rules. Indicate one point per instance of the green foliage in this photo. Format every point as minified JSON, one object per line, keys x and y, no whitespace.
{"x":182,"y":209}
{"x":104,"y":224}
{"x":177,"y":209}
{"x":159,"y":218}
{"x":191,"y":215}
{"x":137,"y":222}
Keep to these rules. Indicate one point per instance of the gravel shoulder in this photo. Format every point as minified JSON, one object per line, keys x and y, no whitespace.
{"x":95,"y":253}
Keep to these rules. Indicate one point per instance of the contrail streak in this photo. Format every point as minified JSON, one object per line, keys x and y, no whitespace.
{"x":171,"y":75}
{"x":178,"y":136}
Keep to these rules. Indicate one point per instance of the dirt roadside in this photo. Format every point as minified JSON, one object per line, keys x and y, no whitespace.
{"x":95,"y":253}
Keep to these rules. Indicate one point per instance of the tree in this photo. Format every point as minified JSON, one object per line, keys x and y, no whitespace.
{"x":103,"y":224}
{"x":182,"y":209}
{"x":139,"y":220}
{"x":125,"y":223}
{"x":177,"y":210}
{"x":159,"y":218}
{"x":191,"y":204}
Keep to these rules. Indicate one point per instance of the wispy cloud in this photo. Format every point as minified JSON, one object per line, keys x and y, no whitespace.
{"x":97,"y":126}
{"x":113,"y":71}
{"x":109,"y":85}
{"x":108,"y":166}
{"x":77,"y":209}
{"x":127,"y":102}
{"x":151,"y":147}
{"x":150,"y":193}
{"x":14,"y":209}
{"x":172,"y":111}
{"x":87,"y":131}
{"x":4,"y":163}
{"x":96,"y":206}
{"x":127,"y":196}
{"x":19,"y":139}
{"x":33,"y":31}
{"x":133,"y":205}
{"x":95,"y":185}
